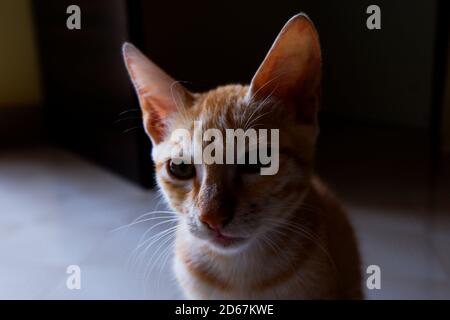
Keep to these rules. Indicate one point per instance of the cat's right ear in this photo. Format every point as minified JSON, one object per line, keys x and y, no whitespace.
{"x":291,"y":71}
{"x":160,"y":96}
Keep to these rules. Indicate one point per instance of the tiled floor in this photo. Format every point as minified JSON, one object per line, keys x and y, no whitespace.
{"x":58,"y":210}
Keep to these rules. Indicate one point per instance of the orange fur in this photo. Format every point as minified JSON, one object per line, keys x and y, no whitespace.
{"x":297,"y":241}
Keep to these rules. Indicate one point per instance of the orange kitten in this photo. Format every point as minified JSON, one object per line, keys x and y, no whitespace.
{"x":243,"y":235}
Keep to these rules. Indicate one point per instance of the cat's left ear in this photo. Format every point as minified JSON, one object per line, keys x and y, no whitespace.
{"x":160,"y":96}
{"x":291,"y":71}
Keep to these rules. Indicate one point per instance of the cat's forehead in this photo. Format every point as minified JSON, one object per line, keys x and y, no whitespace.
{"x":225,"y":107}
{"x":221,"y":108}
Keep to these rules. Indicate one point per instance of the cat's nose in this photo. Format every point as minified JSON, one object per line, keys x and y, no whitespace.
{"x":214,"y":220}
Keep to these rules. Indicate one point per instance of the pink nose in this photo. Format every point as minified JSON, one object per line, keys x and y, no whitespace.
{"x":212,"y":221}
{"x":218,"y":212}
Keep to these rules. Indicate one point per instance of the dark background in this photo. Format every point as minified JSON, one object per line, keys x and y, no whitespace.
{"x":75,"y":162}
{"x":382,"y":89}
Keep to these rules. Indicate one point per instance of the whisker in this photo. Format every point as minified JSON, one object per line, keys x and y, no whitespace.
{"x":131,"y":129}
{"x":173,"y":220}
{"x":153,"y":240}
{"x":135,"y":221}
{"x":128,"y":111}
{"x":153,"y":261}
{"x":126,"y":118}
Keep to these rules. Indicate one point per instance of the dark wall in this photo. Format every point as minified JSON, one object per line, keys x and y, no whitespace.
{"x":380,"y":77}
{"x":90,"y":104}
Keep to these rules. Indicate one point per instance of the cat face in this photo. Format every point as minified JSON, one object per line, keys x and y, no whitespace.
{"x":231,"y":206}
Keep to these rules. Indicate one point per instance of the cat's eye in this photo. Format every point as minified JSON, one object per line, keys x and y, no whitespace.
{"x":182,"y":171}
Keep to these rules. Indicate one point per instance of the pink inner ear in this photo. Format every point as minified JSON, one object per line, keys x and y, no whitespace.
{"x":157,"y":110}
{"x":154,"y":125}
{"x":159,"y":94}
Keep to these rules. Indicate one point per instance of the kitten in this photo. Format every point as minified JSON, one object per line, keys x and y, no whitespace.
{"x":243,"y":235}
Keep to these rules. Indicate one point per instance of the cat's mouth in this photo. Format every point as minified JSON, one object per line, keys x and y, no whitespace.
{"x":226,"y":241}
